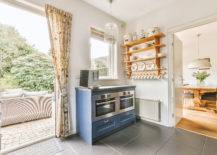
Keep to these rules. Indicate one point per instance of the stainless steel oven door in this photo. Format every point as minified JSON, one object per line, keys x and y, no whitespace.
{"x":126,"y":101}
{"x":105,"y":105}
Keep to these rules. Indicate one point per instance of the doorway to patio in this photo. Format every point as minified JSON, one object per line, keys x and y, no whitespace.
{"x":26,"y":78}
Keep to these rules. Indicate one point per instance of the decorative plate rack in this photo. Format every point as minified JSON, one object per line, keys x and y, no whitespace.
{"x":142,"y":58}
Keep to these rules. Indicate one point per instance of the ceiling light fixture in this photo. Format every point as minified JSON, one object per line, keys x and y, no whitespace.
{"x":199,"y":63}
{"x":111,"y":28}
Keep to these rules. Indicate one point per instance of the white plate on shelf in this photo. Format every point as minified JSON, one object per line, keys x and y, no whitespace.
{"x":150,"y":66}
{"x":141,"y":66}
{"x":134,"y":67}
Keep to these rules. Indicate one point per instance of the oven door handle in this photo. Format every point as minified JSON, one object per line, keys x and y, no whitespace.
{"x":107,"y":102}
{"x":130,"y":95}
{"x":127,"y":98}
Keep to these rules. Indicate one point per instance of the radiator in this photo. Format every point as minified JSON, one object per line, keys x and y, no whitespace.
{"x":148,"y":109}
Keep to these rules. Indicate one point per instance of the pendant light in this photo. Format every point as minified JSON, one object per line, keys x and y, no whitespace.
{"x":111,"y":29}
{"x":199,"y":63}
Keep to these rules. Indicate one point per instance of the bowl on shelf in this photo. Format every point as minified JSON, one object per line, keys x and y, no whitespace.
{"x":127,"y":38}
{"x":134,"y":57}
{"x":143,"y":34}
{"x":150,"y":43}
{"x":153,"y":30}
{"x":135,"y":48}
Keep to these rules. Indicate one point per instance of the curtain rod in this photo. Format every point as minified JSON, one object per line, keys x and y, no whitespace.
{"x":28,"y":6}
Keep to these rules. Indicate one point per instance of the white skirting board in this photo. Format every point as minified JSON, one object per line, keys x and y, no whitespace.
{"x":148,"y":109}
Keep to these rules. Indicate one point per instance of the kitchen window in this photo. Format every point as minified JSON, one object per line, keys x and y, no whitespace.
{"x":103,"y":55}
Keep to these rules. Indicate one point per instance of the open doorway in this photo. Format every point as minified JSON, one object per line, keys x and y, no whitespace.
{"x":195,"y":74}
{"x":26,"y":78}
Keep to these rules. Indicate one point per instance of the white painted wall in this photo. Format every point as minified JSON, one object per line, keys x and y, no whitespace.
{"x":84,"y":16}
{"x":171,"y":16}
{"x":208,"y":48}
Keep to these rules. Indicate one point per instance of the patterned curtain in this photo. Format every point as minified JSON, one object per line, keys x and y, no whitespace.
{"x":59,"y":23}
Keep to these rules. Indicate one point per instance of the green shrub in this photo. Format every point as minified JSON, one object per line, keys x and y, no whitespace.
{"x":30,"y":69}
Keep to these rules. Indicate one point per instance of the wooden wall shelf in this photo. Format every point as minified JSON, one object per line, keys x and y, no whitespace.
{"x":146,"y":59}
{"x":145,"y":49}
{"x":144,"y":40}
{"x":145,"y":74}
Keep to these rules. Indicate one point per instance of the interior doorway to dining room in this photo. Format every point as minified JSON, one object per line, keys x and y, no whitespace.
{"x":195,"y":74}
{"x":26,"y":78}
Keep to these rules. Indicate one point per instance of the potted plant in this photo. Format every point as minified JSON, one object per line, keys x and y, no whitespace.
{"x":200,"y":76}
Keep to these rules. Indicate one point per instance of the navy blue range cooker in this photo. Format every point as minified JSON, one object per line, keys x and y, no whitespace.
{"x":104,"y":110}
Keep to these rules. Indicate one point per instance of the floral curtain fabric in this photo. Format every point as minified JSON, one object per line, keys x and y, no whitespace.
{"x":59,"y":23}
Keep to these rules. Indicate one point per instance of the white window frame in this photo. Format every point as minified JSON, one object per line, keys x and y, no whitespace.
{"x":112,"y":60}
{"x":25,"y":5}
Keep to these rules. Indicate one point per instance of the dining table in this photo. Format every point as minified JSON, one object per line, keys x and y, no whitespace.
{"x":198,"y":92}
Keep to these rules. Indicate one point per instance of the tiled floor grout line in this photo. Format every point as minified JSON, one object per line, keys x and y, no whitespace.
{"x":72,"y":149}
{"x":123,"y":144}
{"x":203,"y":145}
{"x":161,"y":146}
{"x":131,"y":140}
{"x":196,"y":134}
{"x":182,"y":143}
{"x":112,"y":148}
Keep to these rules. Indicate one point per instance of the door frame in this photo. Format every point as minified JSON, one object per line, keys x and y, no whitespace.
{"x":32,"y":8}
{"x":170,"y":39}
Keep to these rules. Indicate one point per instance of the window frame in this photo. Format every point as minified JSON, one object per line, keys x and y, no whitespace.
{"x":25,"y":5}
{"x":111,"y":58}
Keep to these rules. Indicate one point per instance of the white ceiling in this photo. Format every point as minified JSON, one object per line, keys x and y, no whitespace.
{"x":190,"y":35}
{"x":127,"y":10}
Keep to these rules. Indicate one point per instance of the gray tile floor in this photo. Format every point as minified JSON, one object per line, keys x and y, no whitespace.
{"x":137,"y":139}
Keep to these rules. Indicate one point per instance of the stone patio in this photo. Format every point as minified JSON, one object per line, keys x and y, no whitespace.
{"x":22,"y":134}
{"x":18,"y":135}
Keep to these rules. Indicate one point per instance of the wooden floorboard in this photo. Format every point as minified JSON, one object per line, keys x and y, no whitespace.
{"x":200,"y":122}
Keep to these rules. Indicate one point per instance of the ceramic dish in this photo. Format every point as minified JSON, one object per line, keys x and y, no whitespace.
{"x":141,"y":66}
{"x":150,"y":66}
{"x":134,"y":67}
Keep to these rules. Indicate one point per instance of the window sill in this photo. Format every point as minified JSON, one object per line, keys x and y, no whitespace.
{"x":107,"y":78}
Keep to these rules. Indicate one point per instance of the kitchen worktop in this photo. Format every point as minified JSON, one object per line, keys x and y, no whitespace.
{"x":106,"y":88}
